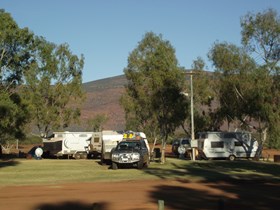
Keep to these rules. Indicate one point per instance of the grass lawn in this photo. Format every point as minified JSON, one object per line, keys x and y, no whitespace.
{"x":52,"y":171}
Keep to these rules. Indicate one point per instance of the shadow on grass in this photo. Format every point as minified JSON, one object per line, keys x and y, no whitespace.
{"x":6,"y":163}
{"x":219,"y":170}
{"x":73,"y":206}
{"x":242,"y":185}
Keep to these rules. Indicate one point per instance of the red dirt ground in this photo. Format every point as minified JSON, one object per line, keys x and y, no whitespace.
{"x":142,"y":195}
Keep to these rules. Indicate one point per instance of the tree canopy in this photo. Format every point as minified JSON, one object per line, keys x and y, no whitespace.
{"x":38,"y":81}
{"x":248,"y":87}
{"x":153,"y":101}
{"x":15,"y":47}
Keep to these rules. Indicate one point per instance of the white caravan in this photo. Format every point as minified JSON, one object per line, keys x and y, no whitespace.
{"x":110,"y":139}
{"x":71,"y":144}
{"x":229,"y":145}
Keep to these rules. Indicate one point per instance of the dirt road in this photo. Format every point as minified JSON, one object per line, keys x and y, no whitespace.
{"x":142,"y":195}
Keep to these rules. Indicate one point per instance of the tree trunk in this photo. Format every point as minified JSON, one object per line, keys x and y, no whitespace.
{"x":152,"y":151}
{"x":263,"y":140}
{"x":162,"y":159}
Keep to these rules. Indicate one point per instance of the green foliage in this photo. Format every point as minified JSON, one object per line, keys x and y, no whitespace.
{"x":261,"y":35}
{"x":96,"y":124}
{"x":205,"y":118}
{"x":29,"y":140}
{"x":152,"y":101}
{"x":38,"y":80}
{"x":15,"y":46}
{"x":14,"y":115}
{"x":248,"y":89}
{"x":53,"y":82}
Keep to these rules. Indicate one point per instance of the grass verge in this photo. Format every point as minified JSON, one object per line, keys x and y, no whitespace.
{"x":49,"y":171}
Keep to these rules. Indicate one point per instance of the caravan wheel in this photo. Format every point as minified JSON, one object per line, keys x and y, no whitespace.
{"x":77,"y":156}
{"x":231,"y":157}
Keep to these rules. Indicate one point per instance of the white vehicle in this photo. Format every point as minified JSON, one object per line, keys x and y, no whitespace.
{"x":229,"y":145}
{"x":136,"y":135}
{"x":71,"y":144}
{"x":110,"y":140}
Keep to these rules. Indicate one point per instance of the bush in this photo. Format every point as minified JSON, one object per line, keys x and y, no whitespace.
{"x":32,"y":140}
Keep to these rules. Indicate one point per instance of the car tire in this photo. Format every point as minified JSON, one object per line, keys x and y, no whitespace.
{"x":140,"y":165}
{"x":114,"y":166}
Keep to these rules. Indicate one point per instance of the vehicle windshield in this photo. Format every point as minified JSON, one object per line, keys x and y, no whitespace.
{"x":128,"y":145}
{"x":185,"y":141}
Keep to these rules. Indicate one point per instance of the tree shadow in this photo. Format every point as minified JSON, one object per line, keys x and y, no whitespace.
{"x":255,"y":185}
{"x":6,"y":163}
{"x":73,"y":206}
{"x":251,"y":196}
{"x":220,"y":170}
{"x":249,"y":167}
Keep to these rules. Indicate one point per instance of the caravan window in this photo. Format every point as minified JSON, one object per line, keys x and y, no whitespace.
{"x":229,"y":135}
{"x":217,"y":144}
{"x":238,"y":144}
{"x":96,"y":140}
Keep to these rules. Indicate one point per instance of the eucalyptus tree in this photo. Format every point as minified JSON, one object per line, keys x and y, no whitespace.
{"x":249,"y":86}
{"x":38,"y":80}
{"x":16,"y":45}
{"x":53,"y":86}
{"x":153,"y":100}
{"x":261,"y":38}
{"x":96,"y":123}
{"x":205,"y":118}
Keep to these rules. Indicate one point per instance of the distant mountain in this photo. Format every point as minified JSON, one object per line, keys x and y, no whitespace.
{"x":103,"y":97}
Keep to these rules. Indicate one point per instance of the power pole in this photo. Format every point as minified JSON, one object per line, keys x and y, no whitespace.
{"x":192,"y":118}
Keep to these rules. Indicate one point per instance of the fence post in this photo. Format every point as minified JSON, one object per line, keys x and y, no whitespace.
{"x":160,"y":204}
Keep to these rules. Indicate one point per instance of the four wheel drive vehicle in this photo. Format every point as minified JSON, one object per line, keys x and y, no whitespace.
{"x":181,"y":146}
{"x":130,"y":153}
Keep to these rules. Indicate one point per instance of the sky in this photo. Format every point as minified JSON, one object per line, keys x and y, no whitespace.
{"x":107,"y":31}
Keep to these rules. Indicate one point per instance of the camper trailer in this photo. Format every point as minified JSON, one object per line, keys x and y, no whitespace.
{"x":70,"y":144}
{"x":110,"y":139}
{"x":229,"y":145}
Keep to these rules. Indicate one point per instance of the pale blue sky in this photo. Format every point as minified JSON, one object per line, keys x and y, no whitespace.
{"x":106,"y":31}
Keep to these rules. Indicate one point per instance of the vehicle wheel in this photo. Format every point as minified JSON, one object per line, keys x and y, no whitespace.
{"x":77,"y":156}
{"x":140,"y":165}
{"x":114,"y":166}
{"x":231,"y":157}
{"x":84,"y":155}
